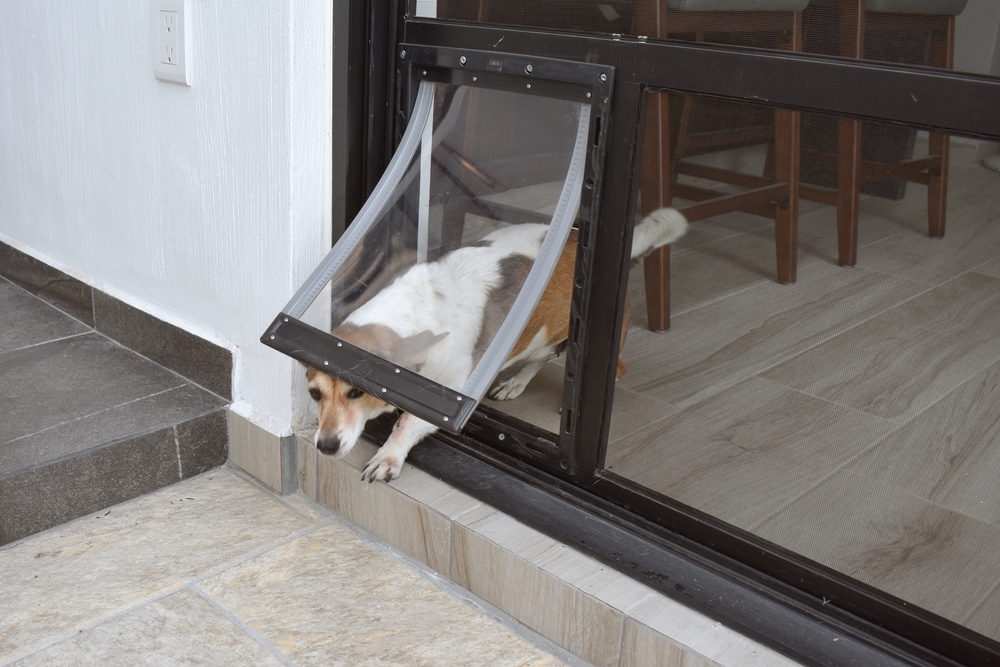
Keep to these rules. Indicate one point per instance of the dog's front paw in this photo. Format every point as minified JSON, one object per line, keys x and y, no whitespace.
{"x":507,"y":390}
{"x":384,"y":466}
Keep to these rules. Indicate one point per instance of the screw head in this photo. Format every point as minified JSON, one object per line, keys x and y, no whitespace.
{"x":475,"y":78}
{"x":501,"y":436}
{"x":424,"y":73}
{"x":529,"y":85}
{"x":462,"y":60}
{"x":402,"y":54}
{"x":272,"y":337}
{"x":326,"y":363}
{"x":446,"y":419}
{"x":527,"y":68}
{"x":604,"y":77}
{"x":588,"y":95}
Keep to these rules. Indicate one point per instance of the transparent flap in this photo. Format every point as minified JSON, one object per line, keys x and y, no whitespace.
{"x":441,"y":270}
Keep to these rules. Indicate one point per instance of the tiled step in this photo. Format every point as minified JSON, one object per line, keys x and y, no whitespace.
{"x":86,"y":423}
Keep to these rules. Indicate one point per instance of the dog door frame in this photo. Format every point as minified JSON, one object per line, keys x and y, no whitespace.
{"x":587,"y":84}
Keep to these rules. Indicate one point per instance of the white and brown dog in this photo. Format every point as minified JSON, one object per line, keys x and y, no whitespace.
{"x":467,"y":294}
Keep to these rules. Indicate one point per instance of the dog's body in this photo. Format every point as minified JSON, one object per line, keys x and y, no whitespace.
{"x":439,"y":317}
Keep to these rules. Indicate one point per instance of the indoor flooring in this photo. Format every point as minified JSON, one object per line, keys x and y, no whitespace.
{"x":853,"y":417}
{"x":217,"y":570}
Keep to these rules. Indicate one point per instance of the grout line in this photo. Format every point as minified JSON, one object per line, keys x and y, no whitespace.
{"x":111,"y":443}
{"x":253,"y":634}
{"x":94,"y":414}
{"x":46,"y":342}
{"x":177,"y":447}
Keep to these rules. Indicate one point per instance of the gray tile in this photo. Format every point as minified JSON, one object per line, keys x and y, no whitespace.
{"x":64,"y":580}
{"x":718,"y":269}
{"x":28,"y":321}
{"x":971,"y":237}
{"x":94,"y":479}
{"x":896,"y":542}
{"x":56,"y":382}
{"x":49,"y":284}
{"x":180,"y":629}
{"x":105,"y":426}
{"x":203,"y":443}
{"x":327,"y":599}
{"x":899,"y":363}
{"x":948,"y":455}
{"x":541,"y":402}
{"x":202,"y":362}
{"x":746,"y":453}
{"x":986,"y":619}
{"x":714,"y":347}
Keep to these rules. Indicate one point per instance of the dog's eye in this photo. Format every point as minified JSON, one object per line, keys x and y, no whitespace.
{"x":316,"y":394}
{"x":355,"y":393}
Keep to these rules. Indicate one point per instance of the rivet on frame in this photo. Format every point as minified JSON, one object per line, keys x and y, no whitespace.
{"x":402,"y":54}
{"x":462,"y":60}
{"x":340,"y":345}
{"x":286,"y":319}
{"x":397,"y":370}
{"x":446,"y":419}
{"x":501,"y":436}
{"x":425,"y":73}
{"x":527,"y":68}
{"x":475,"y":78}
{"x":326,"y":363}
{"x":604,"y":77}
{"x":272,"y":337}
{"x":383,"y":390}
{"x":529,"y":85}
{"x":588,"y":95}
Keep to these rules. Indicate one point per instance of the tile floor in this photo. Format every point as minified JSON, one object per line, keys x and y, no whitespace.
{"x":216,"y":570}
{"x":87,"y":423}
{"x":854,"y":416}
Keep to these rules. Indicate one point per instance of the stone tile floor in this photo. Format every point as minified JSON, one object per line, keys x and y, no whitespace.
{"x":216,"y":570}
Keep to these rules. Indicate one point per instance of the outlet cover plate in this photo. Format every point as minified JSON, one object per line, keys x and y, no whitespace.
{"x":170,"y":38}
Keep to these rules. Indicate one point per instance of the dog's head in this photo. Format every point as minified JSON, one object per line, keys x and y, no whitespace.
{"x":343,"y":412}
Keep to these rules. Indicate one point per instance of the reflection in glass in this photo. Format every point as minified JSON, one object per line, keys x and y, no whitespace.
{"x":854,"y":416}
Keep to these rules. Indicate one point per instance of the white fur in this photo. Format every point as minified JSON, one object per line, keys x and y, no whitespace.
{"x":450,"y":296}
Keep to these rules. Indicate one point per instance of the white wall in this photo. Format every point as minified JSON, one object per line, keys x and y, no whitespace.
{"x":205,"y":206}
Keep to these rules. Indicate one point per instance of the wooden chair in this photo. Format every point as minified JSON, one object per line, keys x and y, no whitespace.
{"x":858,"y":19}
{"x":774,"y":194}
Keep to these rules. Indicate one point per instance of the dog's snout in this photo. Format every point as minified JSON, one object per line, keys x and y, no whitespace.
{"x":328,"y":444}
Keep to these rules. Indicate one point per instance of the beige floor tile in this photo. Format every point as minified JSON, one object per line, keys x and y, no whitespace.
{"x":947,"y":455}
{"x":390,"y":514}
{"x":77,"y":574}
{"x":578,"y":622}
{"x":899,"y":363}
{"x":986,"y":619}
{"x":714,"y":347}
{"x":903,"y":545}
{"x":698,"y":635}
{"x":327,"y":599}
{"x":746,"y":453}
{"x":180,"y":629}
{"x":643,"y":647}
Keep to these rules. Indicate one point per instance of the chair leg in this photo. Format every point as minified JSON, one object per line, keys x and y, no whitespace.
{"x":787,"y":128}
{"x":848,"y":190}
{"x":655,"y":186}
{"x":937,"y":186}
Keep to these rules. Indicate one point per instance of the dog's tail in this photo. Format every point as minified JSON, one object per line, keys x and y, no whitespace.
{"x":662,"y":226}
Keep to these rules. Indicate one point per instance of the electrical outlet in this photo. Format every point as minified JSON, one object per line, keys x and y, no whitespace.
{"x":171,"y":39}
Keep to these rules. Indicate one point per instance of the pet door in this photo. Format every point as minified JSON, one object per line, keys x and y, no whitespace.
{"x":422,"y":300}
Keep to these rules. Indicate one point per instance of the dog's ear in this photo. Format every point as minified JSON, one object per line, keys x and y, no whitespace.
{"x":411,"y":352}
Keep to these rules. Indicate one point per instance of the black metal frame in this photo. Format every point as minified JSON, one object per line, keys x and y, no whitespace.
{"x":914,"y":96}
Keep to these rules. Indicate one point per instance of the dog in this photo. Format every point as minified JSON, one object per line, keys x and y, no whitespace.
{"x":465,"y":294}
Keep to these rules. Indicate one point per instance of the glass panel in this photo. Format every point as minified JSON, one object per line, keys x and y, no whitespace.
{"x":442,"y":268}
{"x":852,"y":416}
{"x":959,"y":34}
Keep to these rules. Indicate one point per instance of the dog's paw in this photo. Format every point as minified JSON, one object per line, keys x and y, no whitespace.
{"x":384,"y":466}
{"x":507,"y":390}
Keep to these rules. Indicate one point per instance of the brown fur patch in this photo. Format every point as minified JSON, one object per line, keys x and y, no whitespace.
{"x":513,"y":271}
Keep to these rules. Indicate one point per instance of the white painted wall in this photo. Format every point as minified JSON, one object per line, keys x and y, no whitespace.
{"x":205,"y":206}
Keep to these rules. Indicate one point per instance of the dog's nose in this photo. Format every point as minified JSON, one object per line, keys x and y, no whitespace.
{"x":328,"y":444}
